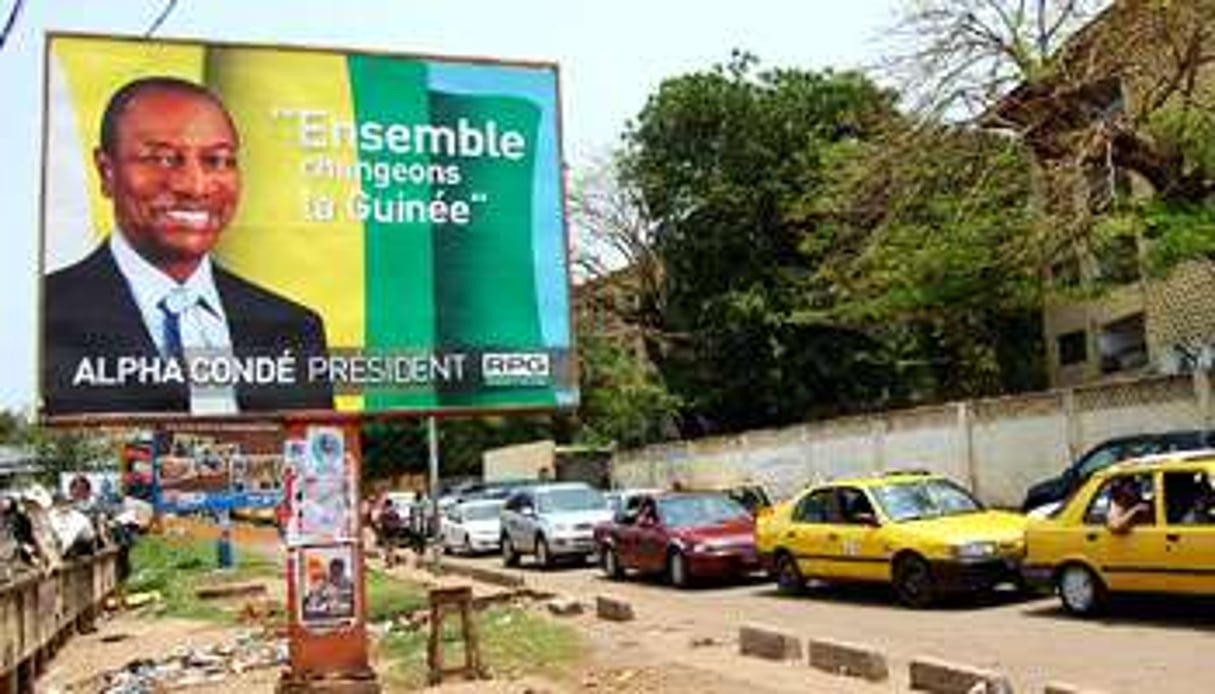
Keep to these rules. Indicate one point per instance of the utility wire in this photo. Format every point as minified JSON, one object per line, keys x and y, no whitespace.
{"x":10,"y":22}
{"x":164,"y":14}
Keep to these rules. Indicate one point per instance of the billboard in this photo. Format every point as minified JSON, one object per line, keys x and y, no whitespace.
{"x":233,"y":229}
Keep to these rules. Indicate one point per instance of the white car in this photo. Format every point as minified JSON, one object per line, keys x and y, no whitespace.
{"x":551,"y":521}
{"x":472,"y":527}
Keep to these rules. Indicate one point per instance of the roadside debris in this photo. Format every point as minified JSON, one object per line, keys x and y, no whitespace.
{"x":185,"y":667}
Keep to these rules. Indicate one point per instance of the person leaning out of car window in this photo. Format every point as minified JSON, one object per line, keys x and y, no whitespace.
{"x":1127,"y":507}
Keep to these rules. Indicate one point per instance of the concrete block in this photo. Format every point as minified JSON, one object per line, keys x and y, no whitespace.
{"x":766,"y":642}
{"x":613,"y":609}
{"x":852,"y":660}
{"x":942,"y":677}
{"x":564,"y":606}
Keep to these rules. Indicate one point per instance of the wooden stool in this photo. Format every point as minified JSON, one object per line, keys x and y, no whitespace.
{"x":443,"y":601}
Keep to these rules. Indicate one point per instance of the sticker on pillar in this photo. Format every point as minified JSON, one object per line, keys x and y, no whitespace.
{"x":326,"y":587}
{"x":326,"y":452}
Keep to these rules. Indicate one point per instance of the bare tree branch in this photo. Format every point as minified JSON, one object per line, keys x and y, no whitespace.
{"x":10,"y":22}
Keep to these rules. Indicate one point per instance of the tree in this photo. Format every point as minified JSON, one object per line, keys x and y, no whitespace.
{"x":933,"y":248}
{"x":719,"y":160}
{"x":1093,"y":89}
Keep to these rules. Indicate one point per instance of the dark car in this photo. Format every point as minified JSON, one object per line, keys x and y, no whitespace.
{"x":685,"y":536}
{"x":1107,"y":453}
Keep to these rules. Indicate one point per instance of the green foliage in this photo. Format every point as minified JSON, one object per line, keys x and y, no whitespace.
{"x":624,"y":400}
{"x":928,"y":243}
{"x":721,"y":160}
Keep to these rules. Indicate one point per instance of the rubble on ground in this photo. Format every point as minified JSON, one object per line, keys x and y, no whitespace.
{"x":186,"y":667}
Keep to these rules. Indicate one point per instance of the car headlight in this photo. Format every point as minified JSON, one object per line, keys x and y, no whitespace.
{"x":974,"y":550}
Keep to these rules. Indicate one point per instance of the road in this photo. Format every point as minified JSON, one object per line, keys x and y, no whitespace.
{"x":1156,"y":645}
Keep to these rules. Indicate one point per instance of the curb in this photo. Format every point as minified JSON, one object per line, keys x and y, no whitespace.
{"x":476,"y":573}
{"x":942,"y":677}
{"x":848,"y":659}
{"x":768,"y":643}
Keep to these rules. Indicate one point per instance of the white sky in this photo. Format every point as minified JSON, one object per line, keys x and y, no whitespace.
{"x":612,"y":55}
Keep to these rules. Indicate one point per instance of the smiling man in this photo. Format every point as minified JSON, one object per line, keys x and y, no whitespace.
{"x":148,"y":322}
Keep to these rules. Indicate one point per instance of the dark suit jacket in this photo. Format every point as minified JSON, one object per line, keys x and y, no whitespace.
{"x":90,"y":312}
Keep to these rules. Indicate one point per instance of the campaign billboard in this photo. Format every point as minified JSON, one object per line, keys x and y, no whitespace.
{"x":236,"y":230}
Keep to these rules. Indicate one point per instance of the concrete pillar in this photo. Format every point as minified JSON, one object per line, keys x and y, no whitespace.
{"x":966,"y":439}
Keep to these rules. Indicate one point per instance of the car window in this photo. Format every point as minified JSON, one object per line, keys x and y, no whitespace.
{"x":853,"y":504}
{"x":1098,"y":509}
{"x":1100,"y":459}
{"x":1189,"y":498}
{"x":570,"y":499}
{"x":928,"y":498}
{"x":691,"y":511}
{"x":814,"y":507}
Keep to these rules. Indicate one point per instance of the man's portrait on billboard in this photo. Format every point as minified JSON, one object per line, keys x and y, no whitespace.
{"x":149,"y":322}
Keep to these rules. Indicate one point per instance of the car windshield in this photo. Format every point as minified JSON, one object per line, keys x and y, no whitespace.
{"x":688,"y":511}
{"x":480,"y":512}
{"x":570,"y":499}
{"x":929,"y":498}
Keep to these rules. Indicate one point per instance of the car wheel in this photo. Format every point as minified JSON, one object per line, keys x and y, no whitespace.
{"x":1080,"y":590}
{"x":610,"y":562}
{"x":544,"y":557}
{"x":509,"y":556}
{"x":677,"y":570}
{"x":913,"y":582}
{"x":789,"y":578}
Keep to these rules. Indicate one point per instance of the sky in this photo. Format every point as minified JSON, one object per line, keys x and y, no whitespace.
{"x":611,"y":56}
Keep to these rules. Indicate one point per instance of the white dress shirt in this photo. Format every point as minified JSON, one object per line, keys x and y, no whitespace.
{"x":203,"y":324}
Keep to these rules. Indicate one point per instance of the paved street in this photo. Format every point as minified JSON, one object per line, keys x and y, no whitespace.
{"x":1143,"y":645}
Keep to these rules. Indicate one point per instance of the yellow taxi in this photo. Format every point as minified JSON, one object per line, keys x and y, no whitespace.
{"x":920,"y":532}
{"x":1146,"y":525}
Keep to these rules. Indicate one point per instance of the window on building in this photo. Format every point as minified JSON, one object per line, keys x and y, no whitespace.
{"x":1123,"y":344}
{"x":1073,"y":348}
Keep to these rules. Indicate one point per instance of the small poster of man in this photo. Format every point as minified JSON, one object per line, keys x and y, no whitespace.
{"x":326,"y":452}
{"x":326,"y":585}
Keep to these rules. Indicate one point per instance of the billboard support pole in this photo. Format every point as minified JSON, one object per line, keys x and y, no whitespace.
{"x":432,"y":438}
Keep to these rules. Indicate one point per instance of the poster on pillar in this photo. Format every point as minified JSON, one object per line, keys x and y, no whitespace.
{"x":234,"y":230}
{"x":326,"y":587}
{"x":323,"y":508}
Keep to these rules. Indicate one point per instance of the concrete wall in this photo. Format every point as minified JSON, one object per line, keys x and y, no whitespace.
{"x":998,"y":446}
{"x":524,"y":461}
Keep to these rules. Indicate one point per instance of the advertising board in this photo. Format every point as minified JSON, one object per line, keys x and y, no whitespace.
{"x":234,"y":229}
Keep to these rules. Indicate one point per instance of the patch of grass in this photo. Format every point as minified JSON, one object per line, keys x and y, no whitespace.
{"x":513,"y":641}
{"x":388,"y":597}
{"x":175,"y":566}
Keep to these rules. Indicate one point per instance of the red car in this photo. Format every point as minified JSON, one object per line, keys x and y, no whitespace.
{"x":684,"y":536}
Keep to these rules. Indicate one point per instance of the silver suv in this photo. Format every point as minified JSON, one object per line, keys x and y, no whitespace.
{"x":551,"y":521}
